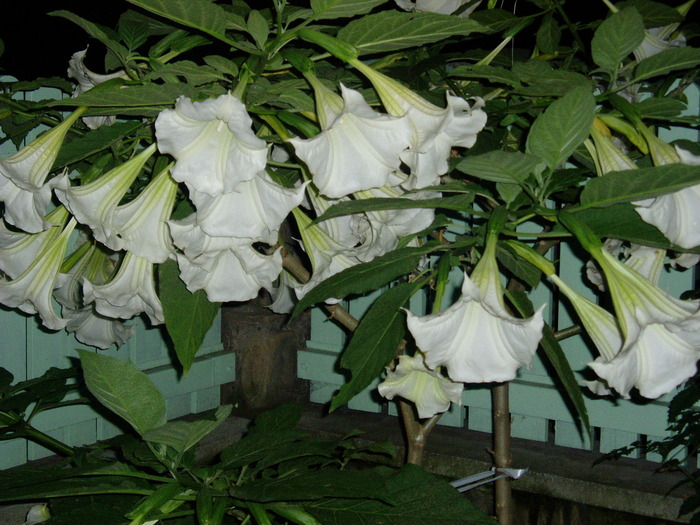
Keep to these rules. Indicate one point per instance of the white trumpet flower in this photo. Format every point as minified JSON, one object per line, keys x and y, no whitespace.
{"x":23,"y":186}
{"x":140,"y":226}
{"x":87,"y":80}
{"x":31,"y":291}
{"x":430,"y":391}
{"x":358,"y":150}
{"x":213,"y":144}
{"x":234,"y":274}
{"x":130,"y":292}
{"x":93,"y":329}
{"x":661,"y":334}
{"x":254,"y":210}
{"x":476,"y":339}
{"x":435,"y":130}
{"x":94,"y":204}
{"x":676,"y":214}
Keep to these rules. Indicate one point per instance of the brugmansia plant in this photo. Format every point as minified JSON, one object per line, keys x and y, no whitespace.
{"x":325,"y":150}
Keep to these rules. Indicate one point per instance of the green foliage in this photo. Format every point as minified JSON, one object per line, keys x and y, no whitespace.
{"x":273,"y":473}
{"x":188,"y":316}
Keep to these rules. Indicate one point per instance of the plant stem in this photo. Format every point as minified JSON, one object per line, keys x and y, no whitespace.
{"x":501,"y":452}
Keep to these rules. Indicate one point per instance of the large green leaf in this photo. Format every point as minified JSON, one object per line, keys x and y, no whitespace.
{"x":183,"y":435}
{"x":112,"y":93}
{"x":493,"y":74}
{"x":621,"y":221}
{"x":106,"y":36}
{"x":327,"y":9}
{"x":616,"y":38}
{"x":316,"y":485}
{"x":94,"y":141}
{"x":457,"y":203}
{"x":556,"y":357}
{"x":366,"y":277}
{"x":666,"y":61}
{"x":564,"y":125}
{"x":635,"y":185}
{"x":392,"y":30}
{"x":202,"y":15}
{"x":499,"y":166}
{"x":188,"y":316}
{"x":124,"y":389}
{"x":374,"y":341}
{"x":191,"y":72}
{"x":656,"y":107}
{"x":419,"y":499}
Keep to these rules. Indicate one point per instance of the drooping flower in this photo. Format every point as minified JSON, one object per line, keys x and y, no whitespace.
{"x":661,"y":334}
{"x":676,"y":214}
{"x":130,"y":292}
{"x":476,"y":339}
{"x":429,"y":390}
{"x":254,"y":210}
{"x":358,"y":150}
{"x":435,"y":130}
{"x":23,"y":186}
{"x":212,"y":142}
{"x":18,"y":250}
{"x":87,"y":80}
{"x":31,"y":291}
{"x":327,"y":257}
{"x":93,"y":329}
{"x":94,"y":204}
{"x":235,"y":274}
{"x":140,"y":226}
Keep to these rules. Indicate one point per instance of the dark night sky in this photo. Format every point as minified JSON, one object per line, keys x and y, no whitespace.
{"x":37,"y":44}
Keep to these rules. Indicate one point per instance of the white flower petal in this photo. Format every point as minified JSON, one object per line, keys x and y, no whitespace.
{"x":93,"y":329}
{"x":130,"y":292}
{"x":360,"y":150}
{"x":212,"y":142}
{"x":476,"y":339}
{"x":140,"y":226}
{"x":431,"y":392}
{"x":254,"y":210}
{"x":31,"y":292}
{"x":94,"y":204}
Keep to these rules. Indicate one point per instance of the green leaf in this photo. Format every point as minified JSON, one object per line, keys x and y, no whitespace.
{"x":654,"y":14}
{"x":366,"y":277}
{"x":564,"y":125}
{"x":556,"y":357}
{"x":222,"y":64}
{"x":327,"y":9}
{"x":493,"y":74}
{"x":113,"y":94}
{"x":621,"y":221}
{"x":519,"y":267}
{"x":183,"y":435}
{"x":133,"y":31}
{"x":499,"y":166}
{"x":124,"y":389}
{"x":258,"y":28}
{"x":616,"y":38}
{"x":192,"y":73}
{"x":635,"y":185}
{"x":660,"y":108}
{"x":548,"y":35}
{"x":97,"y":32}
{"x":392,"y":30}
{"x":419,"y":499}
{"x":95,"y":141}
{"x":75,"y":485}
{"x":315,"y":485}
{"x":662,"y":63}
{"x":188,"y":316}
{"x":202,"y":15}
{"x":542,"y":80}
{"x":374,"y":341}
{"x":456,"y":202}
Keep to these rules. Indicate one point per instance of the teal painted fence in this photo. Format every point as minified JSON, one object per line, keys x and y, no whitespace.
{"x":539,"y":412}
{"x":27,"y":351}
